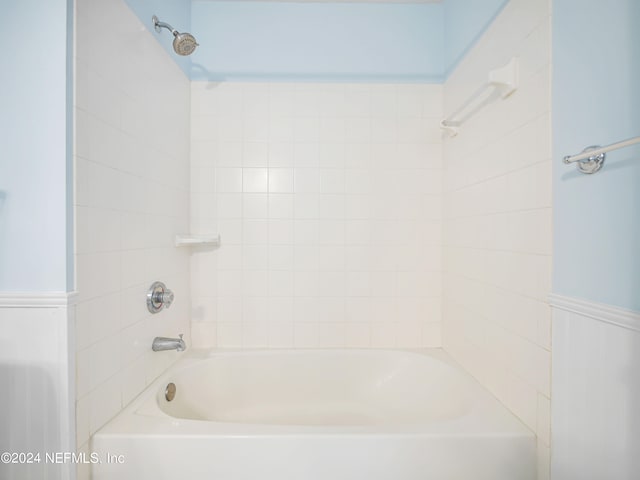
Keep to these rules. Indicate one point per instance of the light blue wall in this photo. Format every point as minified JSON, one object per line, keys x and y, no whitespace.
{"x":35,"y":135}
{"x":318,"y":41}
{"x":465,"y":22}
{"x":289,"y":41}
{"x":596,"y":100}
{"x":176,"y":13}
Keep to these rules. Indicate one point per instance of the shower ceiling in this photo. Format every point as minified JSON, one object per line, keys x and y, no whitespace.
{"x":339,"y":1}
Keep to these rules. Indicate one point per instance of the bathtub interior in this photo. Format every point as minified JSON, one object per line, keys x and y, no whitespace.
{"x":350,"y":388}
{"x":318,"y":414}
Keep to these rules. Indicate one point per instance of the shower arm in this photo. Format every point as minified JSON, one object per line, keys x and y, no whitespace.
{"x":158,"y":25}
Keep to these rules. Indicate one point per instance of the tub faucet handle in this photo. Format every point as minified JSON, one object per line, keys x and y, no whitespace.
{"x":167,"y":298}
{"x":159,"y":297}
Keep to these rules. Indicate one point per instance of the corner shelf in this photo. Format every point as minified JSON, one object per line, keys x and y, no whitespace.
{"x":198,"y":241}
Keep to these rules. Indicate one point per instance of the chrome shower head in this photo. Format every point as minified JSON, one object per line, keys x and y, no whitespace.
{"x":183,"y":43}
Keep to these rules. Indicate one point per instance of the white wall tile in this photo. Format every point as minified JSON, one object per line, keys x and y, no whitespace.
{"x":333,"y":237}
{"x":306,"y":335}
{"x":281,"y":206}
{"x":229,"y":180}
{"x":497,"y":230}
{"x":204,"y":334}
{"x":255,"y":205}
{"x":358,"y":335}
{"x":132,"y":183}
{"x":255,"y":180}
{"x":281,"y":180}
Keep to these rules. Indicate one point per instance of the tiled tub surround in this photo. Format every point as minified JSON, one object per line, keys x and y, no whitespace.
{"x":132,"y":181}
{"x":497,"y":221}
{"x":328,"y":200}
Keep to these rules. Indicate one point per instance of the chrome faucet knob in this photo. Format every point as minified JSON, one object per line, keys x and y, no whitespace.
{"x":166,"y":298}
{"x":159,"y":297}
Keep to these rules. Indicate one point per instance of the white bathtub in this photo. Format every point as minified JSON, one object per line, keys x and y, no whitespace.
{"x":316,"y":415}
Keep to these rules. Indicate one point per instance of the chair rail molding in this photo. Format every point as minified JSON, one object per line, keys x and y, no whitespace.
{"x":37,"y":299}
{"x":601,"y":312}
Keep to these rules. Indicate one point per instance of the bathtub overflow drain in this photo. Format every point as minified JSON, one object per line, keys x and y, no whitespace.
{"x":170,"y":392}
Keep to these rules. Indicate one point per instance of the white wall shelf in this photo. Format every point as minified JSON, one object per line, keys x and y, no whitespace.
{"x":198,"y":241}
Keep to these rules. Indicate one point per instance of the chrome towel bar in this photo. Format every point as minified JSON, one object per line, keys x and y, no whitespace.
{"x":591,"y":159}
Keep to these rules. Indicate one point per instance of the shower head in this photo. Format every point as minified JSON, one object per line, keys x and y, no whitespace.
{"x":183,"y":43}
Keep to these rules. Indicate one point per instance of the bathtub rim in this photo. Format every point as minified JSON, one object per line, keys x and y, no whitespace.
{"x":143,"y":416}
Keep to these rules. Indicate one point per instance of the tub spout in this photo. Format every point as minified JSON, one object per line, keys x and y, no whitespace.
{"x":164,"y":343}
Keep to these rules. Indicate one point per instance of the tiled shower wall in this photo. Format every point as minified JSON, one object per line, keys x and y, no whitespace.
{"x":132,"y":182}
{"x":497,"y":221}
{"x":328,"y":200}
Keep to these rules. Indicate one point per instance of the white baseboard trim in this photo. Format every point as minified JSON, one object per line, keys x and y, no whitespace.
{"x":601,"y":312}
{"x":36,"y":300}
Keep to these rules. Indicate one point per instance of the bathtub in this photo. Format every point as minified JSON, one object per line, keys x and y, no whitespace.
{"x":316,"y":415}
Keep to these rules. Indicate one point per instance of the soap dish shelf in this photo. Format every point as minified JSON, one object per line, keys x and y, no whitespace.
{"x":197,"y":240}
